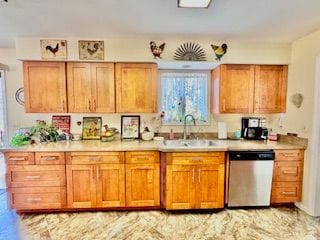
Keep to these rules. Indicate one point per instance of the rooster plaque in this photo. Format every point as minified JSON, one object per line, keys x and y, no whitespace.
{"x":53,"y":49}
{"x":91,"y":50}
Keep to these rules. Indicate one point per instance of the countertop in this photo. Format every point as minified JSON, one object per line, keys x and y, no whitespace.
{"x":139,"y":145}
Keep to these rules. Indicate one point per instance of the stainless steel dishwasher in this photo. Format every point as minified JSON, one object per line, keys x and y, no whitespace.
{"x":250,"y":178}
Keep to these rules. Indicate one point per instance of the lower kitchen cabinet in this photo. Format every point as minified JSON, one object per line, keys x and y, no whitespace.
{"x":287,"y":176}
{"x":91,"y":186}
{"x":98,"y":184}
{"x":180,"y":187}
{"x":81,"y":186}
{"x":142,"y":179}
{"x":195,"y":180}
{"x":110,"y":185}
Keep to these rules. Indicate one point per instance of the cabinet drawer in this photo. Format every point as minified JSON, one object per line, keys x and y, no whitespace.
{"x":37,"y":198}
{"x":94,"y":157}
{"x":286,"y":192}
{"x":289,"y":155}
{"x":50,"y":158}
{"x":36,"y":176}
{"x":19,"y":158}
{"x":191,"y":158}
{"x":142,"y":157}
{"x":288,"y":171}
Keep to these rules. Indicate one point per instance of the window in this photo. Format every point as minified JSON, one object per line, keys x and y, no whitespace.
{"x":184,"y":93}
{"x":3,"y":122}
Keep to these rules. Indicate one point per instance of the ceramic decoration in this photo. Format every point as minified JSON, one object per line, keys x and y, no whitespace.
{"x":296,"y":99}
{"x":156,"y":50}
{"x":219,"y":50}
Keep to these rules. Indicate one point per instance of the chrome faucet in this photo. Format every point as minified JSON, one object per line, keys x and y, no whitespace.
{"x":185,"y":125}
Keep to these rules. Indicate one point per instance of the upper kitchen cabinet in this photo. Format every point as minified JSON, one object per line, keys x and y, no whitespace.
{"x":233,"y":88}
{"x":270,"y":89}
{"x":249,"y":88}
{"x":136,"y":87}
{"x":91,"y":87}
{"x":45,"y":87}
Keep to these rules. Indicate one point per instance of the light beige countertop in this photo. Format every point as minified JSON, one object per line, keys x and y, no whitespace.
{"x":139,"y":145}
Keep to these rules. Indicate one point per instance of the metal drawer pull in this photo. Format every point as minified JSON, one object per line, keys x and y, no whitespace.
{"x":196,"y":159}
{"x":199,"y":176}
{"x":290,"y":172}
{"x":18,"y":158}
{"x":33,"y":177}
{"x":192,"y":175}
{"x":141,"y":158}
{"x":49,"y":158}
{"x":289,"y":193}
{"x":95,"y":158}
{"x":34,"y":199}
{"x":290,"y":154}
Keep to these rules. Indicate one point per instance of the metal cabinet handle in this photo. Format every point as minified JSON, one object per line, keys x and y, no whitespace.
{"x":90,"y":106}
{"x":33,"y":177}
{"x":63,"y":106}
{"x":94,"y":105}
{"x":48,"y":158}
{"x":224,"y":104}
{"x":97,"y":158}
{"x":92,"y":172}
{"x":192,"y":175}
{"x":34,"y":199}
{"x":17,"y":158}
{"x":98,"y":174}
{"x":288,"y":193}
{"x":290,"y":154}
{"x":196,"y":159}
{"x":199,"y":175}
{"x":289,"y":172}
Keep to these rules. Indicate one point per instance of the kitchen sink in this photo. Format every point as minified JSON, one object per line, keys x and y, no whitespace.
{"x":192,"y":143}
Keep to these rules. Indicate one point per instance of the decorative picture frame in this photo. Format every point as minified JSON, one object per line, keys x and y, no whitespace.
{"x":53,"y":49}
{"x":91,"y":50}
{"x":62,"y":122}
{"x":91,"y":128}
{"x":130,"y":126}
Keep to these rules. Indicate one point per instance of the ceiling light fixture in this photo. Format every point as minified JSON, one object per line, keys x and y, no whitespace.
{"x":194,"y":3}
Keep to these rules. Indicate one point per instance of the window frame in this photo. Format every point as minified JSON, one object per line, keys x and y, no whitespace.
{"x":5,"y":116}
{"x":208,"y":72}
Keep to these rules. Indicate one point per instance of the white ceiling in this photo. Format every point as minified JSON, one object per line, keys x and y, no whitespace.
{"x":249,"y":20}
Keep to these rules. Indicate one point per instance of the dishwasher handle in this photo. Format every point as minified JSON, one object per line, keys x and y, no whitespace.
{"x":267,"y":155}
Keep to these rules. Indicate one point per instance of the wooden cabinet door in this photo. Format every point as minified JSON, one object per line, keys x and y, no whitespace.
{"x":236,"y":88}
{"x":102,"y":76}
{"x":180,"y":187}
{"x":142,"y":184}
{"x":270,"y":89}
{"x":110,"y":185}
{"x":79,"y":87}
{"x":81,"y":186}
{"x":210,"y":186}
{"x":136,"y":87}
{"x":45,"y":87}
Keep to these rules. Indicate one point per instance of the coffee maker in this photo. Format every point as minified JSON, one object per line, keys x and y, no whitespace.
{"x":253,"y":128}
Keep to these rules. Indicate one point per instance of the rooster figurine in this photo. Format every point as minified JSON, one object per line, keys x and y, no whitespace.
{"x":156,"y":51}
{"x":219,"y":51}
{"x":53,"y":50}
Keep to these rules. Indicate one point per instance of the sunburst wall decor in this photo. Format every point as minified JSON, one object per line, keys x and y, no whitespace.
{"x":190,"y":52}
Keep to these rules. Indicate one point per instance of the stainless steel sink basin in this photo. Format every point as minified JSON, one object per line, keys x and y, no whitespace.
{"x":193,"y":143}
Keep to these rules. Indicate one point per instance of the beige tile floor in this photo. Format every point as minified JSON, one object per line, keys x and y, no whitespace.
{"x":273,"y":223}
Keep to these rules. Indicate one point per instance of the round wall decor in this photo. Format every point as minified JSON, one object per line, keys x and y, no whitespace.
{"x":20,"y":96}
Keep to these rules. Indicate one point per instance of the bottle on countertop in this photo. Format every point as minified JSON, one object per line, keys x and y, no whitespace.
{"x":171,"y":134}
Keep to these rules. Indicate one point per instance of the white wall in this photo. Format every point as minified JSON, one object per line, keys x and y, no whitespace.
{"x":302,"y":80}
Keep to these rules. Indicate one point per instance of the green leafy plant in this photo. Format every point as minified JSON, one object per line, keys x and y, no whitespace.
{"x":41,"y":131}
